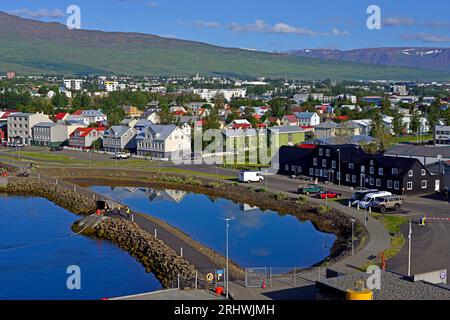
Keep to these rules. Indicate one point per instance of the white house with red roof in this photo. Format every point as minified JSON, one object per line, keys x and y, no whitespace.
{"x":83,"y":138}
{"x":240,"y":124}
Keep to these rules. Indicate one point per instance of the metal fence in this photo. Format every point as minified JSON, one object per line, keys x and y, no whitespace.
{"x":277,"y":277}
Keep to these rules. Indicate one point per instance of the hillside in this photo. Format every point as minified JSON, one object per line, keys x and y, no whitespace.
{"x":424,"y":58}
{"x":34,"y":47}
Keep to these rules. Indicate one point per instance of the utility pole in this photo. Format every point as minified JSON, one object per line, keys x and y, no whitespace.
{"x":340,"y":177}
{"x":409,"y":249}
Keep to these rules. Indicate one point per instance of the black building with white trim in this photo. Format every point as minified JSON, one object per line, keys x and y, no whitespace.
{"x":351,"y":166}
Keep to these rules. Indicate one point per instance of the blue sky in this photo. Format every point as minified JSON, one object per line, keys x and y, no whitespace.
{"x":264,"y":25}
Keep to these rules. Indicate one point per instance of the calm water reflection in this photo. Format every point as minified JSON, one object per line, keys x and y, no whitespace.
{"x":257,"y":238}
{"x":36,"y":248}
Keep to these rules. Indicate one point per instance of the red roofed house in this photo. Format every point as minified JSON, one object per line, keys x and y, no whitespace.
{"x":290,"y":120}
{"x":240,"y":124}
{"x":83,"y":138}
{"x":61,"y":116}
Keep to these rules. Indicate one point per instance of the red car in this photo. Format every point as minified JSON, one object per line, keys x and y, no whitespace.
{"x":329,"y":195}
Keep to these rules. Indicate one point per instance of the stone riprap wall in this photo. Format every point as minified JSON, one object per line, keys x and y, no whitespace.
{"x":67,"y":199}
{"x":152,"y":253}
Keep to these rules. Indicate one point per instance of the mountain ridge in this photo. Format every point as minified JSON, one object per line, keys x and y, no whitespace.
{"x":432,"y":58}
{"x":35,"y":47}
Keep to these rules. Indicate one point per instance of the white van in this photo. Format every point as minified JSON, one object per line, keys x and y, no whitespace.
{"x":368,"y":199}
{"x":250,"y":176}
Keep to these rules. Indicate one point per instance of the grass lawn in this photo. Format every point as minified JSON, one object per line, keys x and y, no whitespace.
{"x":393,"y":224}
{"x":423,"y":138}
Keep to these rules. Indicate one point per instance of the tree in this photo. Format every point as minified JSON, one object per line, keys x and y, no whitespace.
{"x":378,"y":132}
{"x":415,"y":121}
{"x":397,"y":124}
{"x":219,"y":101}
{"x":59,"y":100}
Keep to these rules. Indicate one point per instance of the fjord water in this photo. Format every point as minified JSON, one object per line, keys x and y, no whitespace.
{"x":257,"y":238}
{"x":37,"y":245}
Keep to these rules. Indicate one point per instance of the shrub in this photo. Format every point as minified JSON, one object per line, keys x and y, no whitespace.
{"x":323,"y":209}
{"x":280,"y":196}
{"x":302,"y":200}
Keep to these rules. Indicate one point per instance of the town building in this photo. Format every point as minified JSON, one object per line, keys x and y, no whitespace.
{"x":308,"y":119}
{"x":132,"y":112}
{"x":73,"y":84}
{"x":425,"y":154}
{"x":10,"y":75}
{"x":286,"y":135}
{"x":120,"y":138}
{"x":109,"y":86}
{"x":50,"y":134}
{"x":442,"y":136}
{"x":209,"y":94}
{"x":164,"y":142}
{"x":290,"y":120}
{"x":84,"y":138}
{"x":92,"y":116}
{"x":20,"y":126}
{"x":349,"y":165}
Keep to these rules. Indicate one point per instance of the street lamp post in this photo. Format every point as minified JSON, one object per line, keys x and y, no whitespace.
{"x":227,"y":278}
{"x":353,"y":236}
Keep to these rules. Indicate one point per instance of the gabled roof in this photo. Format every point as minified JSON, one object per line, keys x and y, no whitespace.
{"x":83,"y":132}
{"x":118,"y":131}
{"x":327,"y":125}
{"x":61,"y":116}
{"x":287,"y":129}
{"x":305,"y":115}
{"x":161,"y":132}
{"x":291,"y":118}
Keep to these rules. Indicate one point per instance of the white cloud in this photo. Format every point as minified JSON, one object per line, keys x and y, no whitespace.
{"x":40,"y":13}
{"x":398,"y":22}
{"x":206,"y":24}
{"x":283,"y":28}
{"x":152,"y":4}
{"x":426,"y":37}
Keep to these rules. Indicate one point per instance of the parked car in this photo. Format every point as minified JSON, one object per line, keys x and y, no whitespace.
{"x":368,"y":199}
{"x":388,"y":203}
{"x":301,"y":177}
{"x":122,"y":155}
{"x":361,"y":193}
{"x":329,"y":195}
{"x":250,"y":176}
{"x":311,"y":189}
{"x":56,"y":149}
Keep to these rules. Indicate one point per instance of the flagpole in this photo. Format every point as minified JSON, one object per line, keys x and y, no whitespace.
{"x":409,"y":249}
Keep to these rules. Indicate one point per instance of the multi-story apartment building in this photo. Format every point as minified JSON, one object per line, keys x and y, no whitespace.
{"x":164,"y":141}
{"x":50,"y":134}
{"x":109,"y":86}
{"x":20,"y":126}
{"x":120,"y":138}
{"x":73,"y":84}
{"x":350,"y":165}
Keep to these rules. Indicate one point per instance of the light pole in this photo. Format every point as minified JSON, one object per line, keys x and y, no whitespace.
{"x":227,"y":278}
{"x":353,"y":237}
{"x":339,"y":153}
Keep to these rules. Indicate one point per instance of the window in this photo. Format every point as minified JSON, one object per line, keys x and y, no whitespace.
{"x":378,"y":182}
{"x":363,"y":169}
{"x":410,"y":173}
{"x":320,"y":152}
{"x":290,"y":138}
{"x":380,"y":171}
{"x":394,"y":171}
{"x":347,"y":177}
{"x":315,"y":161}
{"x":424,"y":184}
{"x":389,"y":184}
{"x":409,"y":186}
{"x":311,"y":171}
{"x":372,"y":181}
{"x":317,"y":172}
{"x":351,"y":166}
{"x":324,"y":163}
{"x":354,"y":179}
{"x":371,"y":162}
{"x":333,"y":164}
{"x":397,"y":185}
{"x":328,"y":152}
{"x":372,"y":170}
{"x":424,"y":172}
